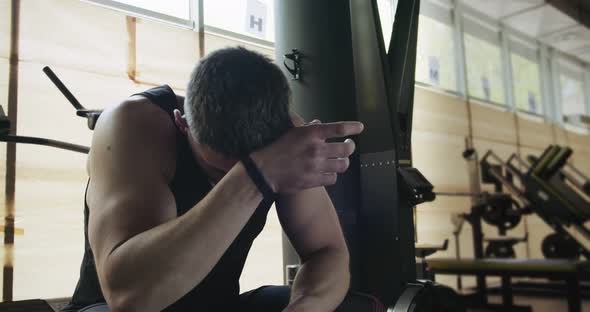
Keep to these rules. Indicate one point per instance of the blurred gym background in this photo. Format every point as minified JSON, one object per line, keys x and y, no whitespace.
{"x":511,"y":76}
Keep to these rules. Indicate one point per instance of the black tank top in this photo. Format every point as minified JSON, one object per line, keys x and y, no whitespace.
{"x":220,"y":289}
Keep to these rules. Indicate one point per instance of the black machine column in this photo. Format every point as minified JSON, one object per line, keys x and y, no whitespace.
{"x":335,"y":54}
{"x":324,"y":89}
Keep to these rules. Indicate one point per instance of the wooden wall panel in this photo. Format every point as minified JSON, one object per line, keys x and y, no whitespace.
{"x":434,"y":219}
{"x":534,"y":133}
{"x":434,"y":226}
{"x":440,"y":128}
{"x":440,"y":113}
{"x":560,"y":135}
{"x":494,"y":124}
{"x":5,"y":8}
{"x":580,"y":143}
{"x":438,"y":156}
{"x":73,"y":34}
{"x":165,"y":54}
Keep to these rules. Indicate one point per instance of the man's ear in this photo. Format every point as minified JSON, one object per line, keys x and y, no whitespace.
{"x":180,"y":122}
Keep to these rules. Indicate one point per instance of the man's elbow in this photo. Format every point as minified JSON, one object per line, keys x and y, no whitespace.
{"x":122,"y":302}
{"x":123,"y":296}
{"x":344,"y":259}
{"x":121,"y":299}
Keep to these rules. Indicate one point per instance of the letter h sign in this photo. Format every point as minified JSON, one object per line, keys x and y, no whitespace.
{"x":256,"y":18}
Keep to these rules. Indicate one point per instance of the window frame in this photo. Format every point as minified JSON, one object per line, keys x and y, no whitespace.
{"x":136,"y":11}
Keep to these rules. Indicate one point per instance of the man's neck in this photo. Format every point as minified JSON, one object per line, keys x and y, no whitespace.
{"x":213,"y":174}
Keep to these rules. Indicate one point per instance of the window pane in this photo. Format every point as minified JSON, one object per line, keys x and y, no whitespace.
{"x":527,"y":84}
{"x":248,"y":17}
{"x":177,"y":8}
{"x":484,"y":70}
{"x":435,"y":63}
{"x":572,"y":95}
{"x":387,"y":10}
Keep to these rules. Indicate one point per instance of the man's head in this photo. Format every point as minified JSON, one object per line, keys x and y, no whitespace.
{"x":237,"y":101}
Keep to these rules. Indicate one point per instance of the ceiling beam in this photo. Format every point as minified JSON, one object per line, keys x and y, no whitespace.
{"x":576,"y":9}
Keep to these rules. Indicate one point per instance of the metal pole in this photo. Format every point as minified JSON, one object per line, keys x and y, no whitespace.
{"x":198,"y":19}
{"x":8,"y":279}
{"x":45,"y":142}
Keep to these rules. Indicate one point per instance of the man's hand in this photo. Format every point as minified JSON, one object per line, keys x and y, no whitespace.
{"x":302,"y":158}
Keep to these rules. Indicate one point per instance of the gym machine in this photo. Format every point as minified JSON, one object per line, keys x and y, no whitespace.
{"x":546,"y":190}
{"x":495,"y":208}
{"x":570,"y":175}
{"x":336,"y":57}
{"x":536,"y":187}
{"x":90,"y":115}
{"x":498,"y":209}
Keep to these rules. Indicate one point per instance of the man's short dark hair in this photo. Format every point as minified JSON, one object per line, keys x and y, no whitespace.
{"x":237,"y":101}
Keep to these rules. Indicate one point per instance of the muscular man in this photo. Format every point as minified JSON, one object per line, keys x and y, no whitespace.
{"x":171,"y":210}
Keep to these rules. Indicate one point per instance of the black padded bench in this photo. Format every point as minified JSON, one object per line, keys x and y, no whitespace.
{"x":567,"y":270}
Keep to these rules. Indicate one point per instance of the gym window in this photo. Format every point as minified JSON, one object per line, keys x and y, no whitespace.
{"x":250,"y":18}
{"x":387,"y":15}
{"x":485,"y":77}
{"x":571,"y":86}
{"x":436,"y":63}
{"x":526,"y":76}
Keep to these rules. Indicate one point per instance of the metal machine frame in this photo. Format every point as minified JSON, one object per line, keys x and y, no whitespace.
{"x":344,"y":72}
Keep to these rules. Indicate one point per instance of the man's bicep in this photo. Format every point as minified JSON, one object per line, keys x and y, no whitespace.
{"x":310,"y":221}
{"x":117,"y":215}
{"x":128,"y":191}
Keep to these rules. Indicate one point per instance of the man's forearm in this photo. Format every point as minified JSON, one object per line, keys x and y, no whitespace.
{"x":155,"y":268}
{"x":322,"y":282}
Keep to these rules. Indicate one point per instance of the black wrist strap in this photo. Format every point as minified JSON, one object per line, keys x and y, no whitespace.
{"x":258,"y":178}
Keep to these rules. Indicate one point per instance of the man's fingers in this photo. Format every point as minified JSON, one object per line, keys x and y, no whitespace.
{"x":296,"y":119}
{"x":324,"y":179}
{"x":335,"y":165}
{"x":340,"y":149}
{"x":338,"y":129}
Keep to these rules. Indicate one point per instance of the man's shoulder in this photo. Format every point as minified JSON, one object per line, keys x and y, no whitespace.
{"x":137,"y":129}
{"x":137,"y":113}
